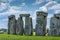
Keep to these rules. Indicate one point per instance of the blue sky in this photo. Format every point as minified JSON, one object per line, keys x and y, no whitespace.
{"x":16,"y":7}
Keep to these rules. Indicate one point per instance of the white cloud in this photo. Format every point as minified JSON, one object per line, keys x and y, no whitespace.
{"x":43,"y":9}
{"x":4,"y":6}
{"x":46,"y":7}
{"x":23,"y":4}
{"x":13,"y":10}
{"x":3,"y":23}
{"x":33,"y":16}
{"x":49,"y":0}
{"x":6,"y":1}
{"x":40,"y":1}
{"x":52,"y":5}
{"x":55,"y":7}
{"x":57,"y":11}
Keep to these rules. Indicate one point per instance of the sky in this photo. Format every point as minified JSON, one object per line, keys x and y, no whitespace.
{"x":16,"y":7}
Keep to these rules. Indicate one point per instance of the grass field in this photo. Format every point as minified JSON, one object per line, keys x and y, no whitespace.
{"x":18,"y":37}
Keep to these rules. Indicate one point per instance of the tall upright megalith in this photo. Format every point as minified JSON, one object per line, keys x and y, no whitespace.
{"x":11,"y":25}
{"x":28,"y":26}
{"x":31,"y":24}
{"x":55,"y":25}
{"x":41,"y":22}
{"x":19,"y":28}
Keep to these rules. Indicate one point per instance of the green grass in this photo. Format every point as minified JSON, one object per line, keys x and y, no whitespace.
{"x":18,"y":37}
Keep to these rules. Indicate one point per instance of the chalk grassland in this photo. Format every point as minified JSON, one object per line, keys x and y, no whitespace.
{"x":18,"y":37}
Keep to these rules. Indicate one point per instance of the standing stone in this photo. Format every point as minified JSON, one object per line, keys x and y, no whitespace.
{"x":28,"y":26}
{"x":11,"y":25}
{"x":31,"y":24}
{"x":55,"y":25}
{"x":41,"y":21}
{"x":19,"y":28}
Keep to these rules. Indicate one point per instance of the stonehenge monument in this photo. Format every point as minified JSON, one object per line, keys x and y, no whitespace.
{"x":41,"y":21}
{"x":18,"y":27}
{"x":55,"y":25}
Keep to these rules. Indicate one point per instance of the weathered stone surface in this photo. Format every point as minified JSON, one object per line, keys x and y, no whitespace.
{"x":40,"y":12}
{"x":41,"y":21}
{"x":31,"y":26}
{"x":55,"y":25}
{"x":28,"y":26}
{"x":24,"y":15}
{"x":11,"y":25}
{"x":53,"y":28}
{"x":56,"y":15}
{"x":19,"y":28}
